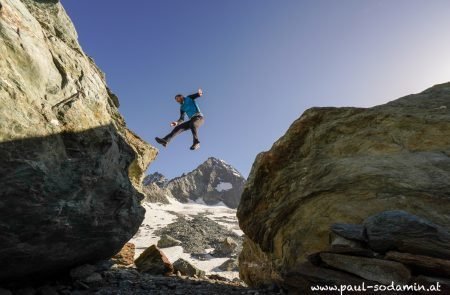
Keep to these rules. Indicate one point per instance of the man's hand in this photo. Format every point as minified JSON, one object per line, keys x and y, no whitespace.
{"x":200,"y":92}
{"x":174,"y":123}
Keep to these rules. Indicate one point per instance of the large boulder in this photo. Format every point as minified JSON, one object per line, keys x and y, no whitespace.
{"x":70,"y":170}
{"x":343,"y":165}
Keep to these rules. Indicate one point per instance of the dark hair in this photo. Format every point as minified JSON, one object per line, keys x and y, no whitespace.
{"x":179,"y":95}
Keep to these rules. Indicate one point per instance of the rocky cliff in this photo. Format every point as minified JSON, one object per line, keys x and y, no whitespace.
{"x":70,"y":170}
{"x":212,"y":182}
{"x":341,"y":165}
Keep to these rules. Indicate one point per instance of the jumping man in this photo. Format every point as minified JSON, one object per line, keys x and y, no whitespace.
{"x":188,"y":106}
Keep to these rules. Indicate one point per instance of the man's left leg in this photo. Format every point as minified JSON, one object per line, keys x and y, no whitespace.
{"x":196,"y":122}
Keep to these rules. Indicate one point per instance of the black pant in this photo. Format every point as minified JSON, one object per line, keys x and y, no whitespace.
{"x":192,"y":124}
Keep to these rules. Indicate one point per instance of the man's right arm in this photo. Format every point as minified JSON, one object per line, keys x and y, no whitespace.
{"x":181,"y":119}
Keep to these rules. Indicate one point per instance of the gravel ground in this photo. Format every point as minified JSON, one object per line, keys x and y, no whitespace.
{"x":199,"y":233}
{"x":130,"y":282}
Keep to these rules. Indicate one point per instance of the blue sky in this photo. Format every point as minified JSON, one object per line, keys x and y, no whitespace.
{"x":261,"y":63}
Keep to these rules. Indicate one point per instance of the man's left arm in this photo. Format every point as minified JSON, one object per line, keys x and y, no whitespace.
{"x":196,"y":95}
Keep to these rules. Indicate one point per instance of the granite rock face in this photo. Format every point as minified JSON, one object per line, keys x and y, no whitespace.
{"x":70,"y":170}
{"x":341,"y":165}
{"x":212,"y":182}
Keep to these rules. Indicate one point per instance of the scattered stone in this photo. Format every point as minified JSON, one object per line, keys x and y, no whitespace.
{"x":217,"y":278}
{"x":229,"y":265}
{"x":94,"y":278}
{"x":167,"y":241}
{"x":399,"y":230}
{"x":349,"y":231}
{"x":82,"y":271}
{"x":202,"y":256}
{"x":423,"y":264}
{"x":127,"y":274}
{"x":378,"y":270}
{"x":199,"y":233}
{"x":188,"y":269}
{"x":126,"y":255}
{"x":154,"y":261}
{"x":225,"y":248}
{"x":239,"y":281}
{"x":104,"y":265}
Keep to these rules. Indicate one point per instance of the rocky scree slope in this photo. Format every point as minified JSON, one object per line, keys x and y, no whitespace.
{"x":341,"y":165}
{"x":70,"y":170}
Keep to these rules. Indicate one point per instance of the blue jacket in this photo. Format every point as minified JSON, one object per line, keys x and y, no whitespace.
{"x":189,"y":107}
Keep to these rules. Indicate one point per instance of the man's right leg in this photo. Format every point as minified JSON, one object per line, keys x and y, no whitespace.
{"x":177,"y":130}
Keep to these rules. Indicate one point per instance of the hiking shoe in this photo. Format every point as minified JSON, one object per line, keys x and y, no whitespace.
{"x":195,"y":146}
{"x":161,"y":141}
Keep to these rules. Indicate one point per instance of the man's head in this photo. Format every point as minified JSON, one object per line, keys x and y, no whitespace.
{"x":179,"y":98}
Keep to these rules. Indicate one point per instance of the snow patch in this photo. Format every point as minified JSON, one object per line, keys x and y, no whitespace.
{"x":224,"y":186}
{"x":158,"y":215}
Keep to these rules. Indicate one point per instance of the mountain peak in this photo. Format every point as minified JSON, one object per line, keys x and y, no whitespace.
{"x":213,"y":181}
{"x":215,"y":162}
{"x":156,"y":178}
